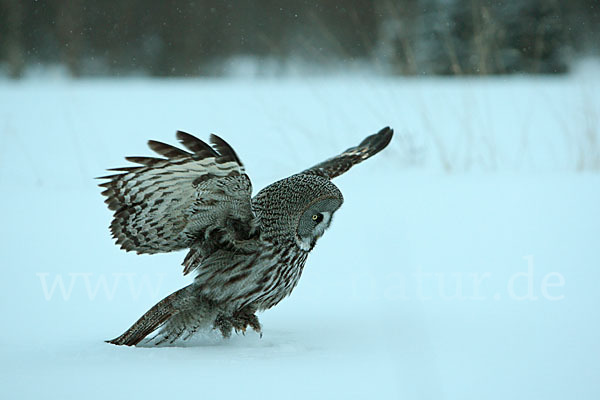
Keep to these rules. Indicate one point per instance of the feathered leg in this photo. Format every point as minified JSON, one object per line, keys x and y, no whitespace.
{"x":244,"y":318}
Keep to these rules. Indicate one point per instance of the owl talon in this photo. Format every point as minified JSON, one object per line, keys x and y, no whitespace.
{"x":243,"y":319}
{"x":239,"y":330}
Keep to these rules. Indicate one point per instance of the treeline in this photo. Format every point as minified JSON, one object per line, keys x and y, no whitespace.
{"x":200,"y":37}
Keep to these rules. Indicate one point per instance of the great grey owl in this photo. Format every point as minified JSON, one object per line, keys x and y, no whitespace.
{"x":247,"y":252}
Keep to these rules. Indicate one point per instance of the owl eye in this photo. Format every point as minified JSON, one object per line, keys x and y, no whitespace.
{"x":317,"y":217}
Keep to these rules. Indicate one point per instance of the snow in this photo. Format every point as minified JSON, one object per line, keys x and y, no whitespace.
{"x":463,"y":264}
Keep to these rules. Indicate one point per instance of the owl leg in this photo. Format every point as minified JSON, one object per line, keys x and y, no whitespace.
{"x":240,"y":321}
{"x":244,"y":318}
{"x":224,"y":325}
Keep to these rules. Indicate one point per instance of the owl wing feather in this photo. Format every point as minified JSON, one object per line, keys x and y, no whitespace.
{"x":341,"y":163}
{"x":198,"y":198}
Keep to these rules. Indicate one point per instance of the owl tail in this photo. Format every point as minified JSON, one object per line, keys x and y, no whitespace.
{"x":153,"y":319}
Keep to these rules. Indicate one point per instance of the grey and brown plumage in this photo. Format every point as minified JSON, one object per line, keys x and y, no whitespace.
{"x":247,"y":252}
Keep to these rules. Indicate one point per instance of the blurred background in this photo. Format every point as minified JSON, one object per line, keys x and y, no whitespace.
{"x":269,"y":37}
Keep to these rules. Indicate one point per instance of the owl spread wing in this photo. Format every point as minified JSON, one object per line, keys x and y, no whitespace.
{"x":201,"y":197}
{"x":341,"y":163}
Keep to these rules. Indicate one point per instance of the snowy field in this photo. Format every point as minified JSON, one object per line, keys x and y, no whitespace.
{"x":464,"y":263}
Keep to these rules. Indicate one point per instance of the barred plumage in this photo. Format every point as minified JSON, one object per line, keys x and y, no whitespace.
{"x":247,"y":253}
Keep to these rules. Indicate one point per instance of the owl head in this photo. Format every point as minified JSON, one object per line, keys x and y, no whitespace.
{"x":299,"y":208}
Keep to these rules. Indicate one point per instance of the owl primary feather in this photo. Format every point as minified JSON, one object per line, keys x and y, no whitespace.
{"x":247,"y":253}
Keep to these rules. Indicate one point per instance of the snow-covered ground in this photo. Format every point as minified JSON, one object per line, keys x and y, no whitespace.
{"x":464,"y":263}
